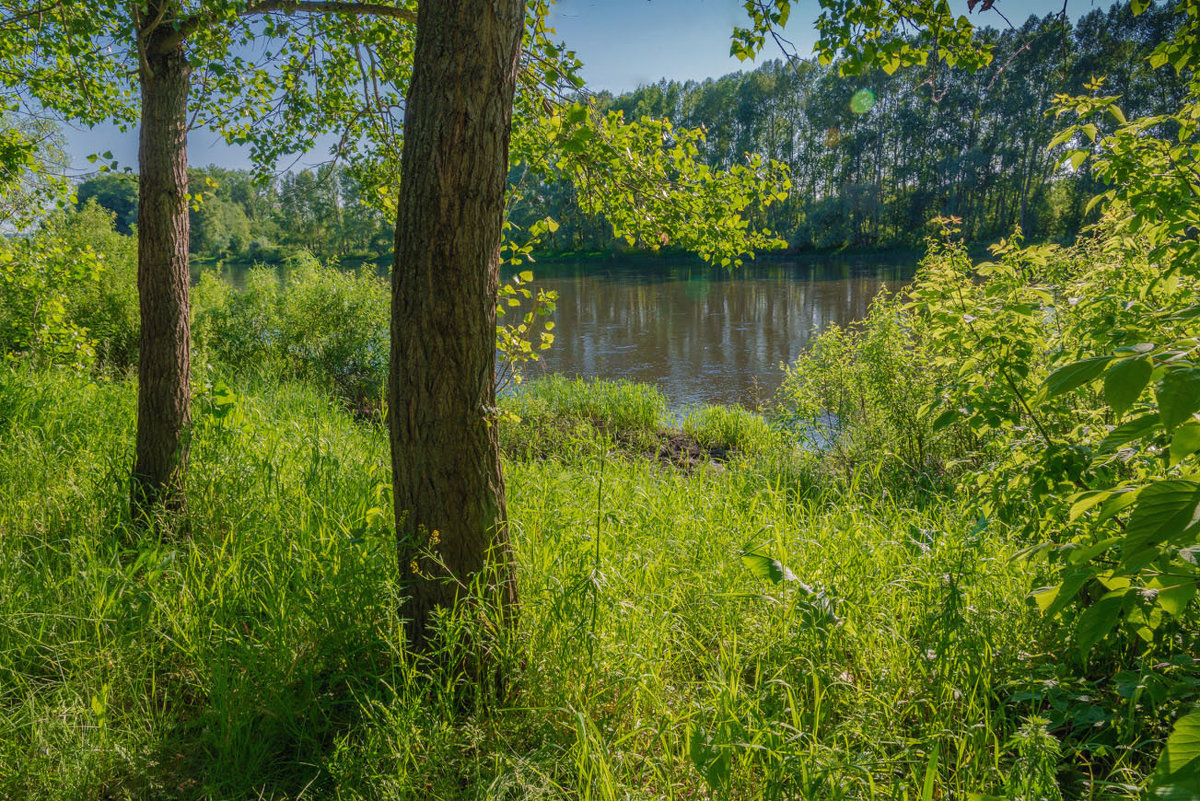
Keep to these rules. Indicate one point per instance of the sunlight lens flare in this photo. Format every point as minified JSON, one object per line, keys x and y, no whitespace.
{"x":863,"y":101}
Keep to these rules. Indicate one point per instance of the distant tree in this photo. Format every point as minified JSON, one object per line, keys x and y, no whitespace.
{"x":115,"y":191}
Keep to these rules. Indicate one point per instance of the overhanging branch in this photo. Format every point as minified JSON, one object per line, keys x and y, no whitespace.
{"x":348,"y":7}
{"x":330,"y":7}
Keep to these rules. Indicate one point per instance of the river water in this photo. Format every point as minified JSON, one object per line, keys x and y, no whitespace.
{"x":704,"y":334}
{"x":701,"y":334}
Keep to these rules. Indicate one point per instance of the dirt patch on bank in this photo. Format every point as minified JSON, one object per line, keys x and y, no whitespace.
{"x":685,"y":452}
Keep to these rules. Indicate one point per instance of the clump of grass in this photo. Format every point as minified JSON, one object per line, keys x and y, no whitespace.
{"x":554,"y":414}
{"x":731,"y":428}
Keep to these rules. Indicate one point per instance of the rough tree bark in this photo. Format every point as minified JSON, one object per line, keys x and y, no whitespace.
{"x":441,"y":393}
{"x":164,"y":358}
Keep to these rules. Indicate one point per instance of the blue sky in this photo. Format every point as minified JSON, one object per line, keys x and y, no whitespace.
{"x":628,"y":43}
{"x":622,"y":43}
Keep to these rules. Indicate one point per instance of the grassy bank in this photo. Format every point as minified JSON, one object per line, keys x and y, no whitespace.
{"x":261,"y":656}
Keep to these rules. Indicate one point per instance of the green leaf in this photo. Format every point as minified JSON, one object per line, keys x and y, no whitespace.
{"x":1175,"y":599}
{"x":1137,"y":428}
{"x":1178,"y":396}
{"x":1055,"y":599}
{"x":1098,"y":620}
{"x":1121,"y":499}
{"x":1185,"y":442}
{"x":1076,"y":374}
{"x":946,"y":419}
{"x":1124,"y":382}
{"x":1178,"y":770}
{"x":764,"y":567}
{"x":1086,"y":501}
{"x":1165,"y":511}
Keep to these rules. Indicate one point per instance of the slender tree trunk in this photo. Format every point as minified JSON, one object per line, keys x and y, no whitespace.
{"x":448,"y":486}
{"x":164,"y":371}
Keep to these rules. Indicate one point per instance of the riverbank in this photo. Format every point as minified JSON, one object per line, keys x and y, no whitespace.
{"x":660,"y":651}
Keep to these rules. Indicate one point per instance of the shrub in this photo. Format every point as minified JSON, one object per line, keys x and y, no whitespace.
{"x":855,"y":396}
{"x":39,"y":275}
{"x":334,"y":329}
{"x":238,"y":327}
{"x":108,"y":307}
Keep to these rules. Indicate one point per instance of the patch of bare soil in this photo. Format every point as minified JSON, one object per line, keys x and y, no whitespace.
{"x":683,"y":451}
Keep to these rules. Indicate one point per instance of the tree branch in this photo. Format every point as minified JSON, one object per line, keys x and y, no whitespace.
{"x":330,"y":7}
{"x":189,"y":26}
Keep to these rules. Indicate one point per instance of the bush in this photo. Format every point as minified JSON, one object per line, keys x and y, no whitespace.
{"x":324,"y":325}
{"x":238,"y":327}
{"x":856,"y":395}
{"x":108,"y":307}
{"x":334,"y":329}
{"x":39,"y":275}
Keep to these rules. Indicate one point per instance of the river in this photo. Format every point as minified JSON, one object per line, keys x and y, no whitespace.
{"x":703,"y":334}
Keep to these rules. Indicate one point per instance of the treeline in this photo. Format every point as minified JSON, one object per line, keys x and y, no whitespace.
{"x":240,"y":216}
{"x":874,"y":158}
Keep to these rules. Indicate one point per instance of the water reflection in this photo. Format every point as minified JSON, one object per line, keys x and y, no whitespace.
{"x":701,"y":334}
{"x":704,"y":335}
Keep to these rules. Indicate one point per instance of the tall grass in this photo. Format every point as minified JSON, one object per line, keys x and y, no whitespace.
{"x":261,"y":657}
{"x":554,"y":414}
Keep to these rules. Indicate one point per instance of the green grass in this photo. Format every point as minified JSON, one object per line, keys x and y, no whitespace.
{"x":556,"y":414}
{"x":731,"y":428}
{"x":261,"y":656}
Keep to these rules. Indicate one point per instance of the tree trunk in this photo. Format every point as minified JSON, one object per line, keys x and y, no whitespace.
{"x":164,"y":370}
{"x":448,"y":486}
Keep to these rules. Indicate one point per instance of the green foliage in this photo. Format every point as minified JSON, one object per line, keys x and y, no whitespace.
{"x":107,"y":308}
{"x":325,"y":325}
{"x":864,"y":34}
{"x":115,"y":191}
{"x":856,"y":394}
{"x":39,"y":275}
{"x":646,"y":178}
{"x":519,"y":343}
{"x":729,"y":428}
{"x":239,"y":327}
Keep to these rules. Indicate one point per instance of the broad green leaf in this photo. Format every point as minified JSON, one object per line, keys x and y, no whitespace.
{"x":1164,"y":511}
{"x":1178,"y":396}
{"x":1079,"y":556}
{"x":946,"y":419}
{"x":1137,"y":428}
{"x":1185,"y":442}
{"x":1074,"y":375}
{"x":1124,"y":382}
{"x":1174,"y":599}
{"x":1179,"y":764}
{"x":1063,"y":594}
{"x":765,"y":567}
{"x":1121,"y":499}
{"x":1085,"y":501}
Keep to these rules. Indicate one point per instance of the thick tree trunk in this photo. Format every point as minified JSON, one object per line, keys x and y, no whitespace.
{"x":164,"y":370}
{"x":448,"y":486}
